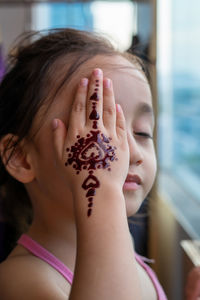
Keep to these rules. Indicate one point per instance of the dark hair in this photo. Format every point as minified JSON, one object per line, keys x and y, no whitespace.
{"x":24,"y":89}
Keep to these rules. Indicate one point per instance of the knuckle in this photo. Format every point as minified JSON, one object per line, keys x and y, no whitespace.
{"x":121,"y":127}
{"x":79,"y":106}
{"x":109,"y":110}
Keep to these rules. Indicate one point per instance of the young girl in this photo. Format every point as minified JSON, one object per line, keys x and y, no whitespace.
{"x":85,"y":159}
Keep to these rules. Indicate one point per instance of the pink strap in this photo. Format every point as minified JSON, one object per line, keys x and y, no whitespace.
{"x":42,"y":253}
{"x":160,"y":293}
{"x":45,"y":255}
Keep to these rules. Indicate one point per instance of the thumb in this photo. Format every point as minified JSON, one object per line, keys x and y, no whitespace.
{"x":59,"y":135}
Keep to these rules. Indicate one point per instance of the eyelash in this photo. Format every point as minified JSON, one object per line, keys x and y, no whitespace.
{"x":144,"y":134}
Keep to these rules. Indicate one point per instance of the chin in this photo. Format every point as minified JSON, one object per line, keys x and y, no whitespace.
{"x":133,"y":203}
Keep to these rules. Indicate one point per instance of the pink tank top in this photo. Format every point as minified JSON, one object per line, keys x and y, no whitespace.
{"x":37,"y":250}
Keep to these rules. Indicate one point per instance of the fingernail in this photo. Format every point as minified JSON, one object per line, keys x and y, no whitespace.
{"x":118,"y":107}
{"x":84,"y":82}
{"x":54,"y":124}
{"x":97,"y":72}
{"x":107,"y":83}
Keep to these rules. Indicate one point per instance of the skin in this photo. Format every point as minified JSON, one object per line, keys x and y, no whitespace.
{"x":41,"y":165}
{"x":131,"y":93}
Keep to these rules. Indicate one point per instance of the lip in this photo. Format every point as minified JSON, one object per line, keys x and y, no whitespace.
{"x":133,"y":182}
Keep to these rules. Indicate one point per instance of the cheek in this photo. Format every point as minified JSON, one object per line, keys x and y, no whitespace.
{"x":43,"y":152}
{"x":48,"y":179}
{"x":151,"y":166}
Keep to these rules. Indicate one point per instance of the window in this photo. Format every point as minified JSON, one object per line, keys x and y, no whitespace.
{"x":100,"y":16}
{"x":179,"y":98}
{"x":57,"y":15}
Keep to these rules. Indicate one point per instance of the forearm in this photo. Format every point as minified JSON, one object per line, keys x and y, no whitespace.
{"x":105,"y":265}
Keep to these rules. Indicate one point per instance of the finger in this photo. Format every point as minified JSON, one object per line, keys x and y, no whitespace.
{"x":120,"y":121}
{"x":59,"y":136}
{"x":95,"y":99}
{"x":78,"y":113}
{"x":109,"y":107}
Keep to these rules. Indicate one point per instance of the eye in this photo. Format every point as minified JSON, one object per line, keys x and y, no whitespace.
{"x":144,"y":134}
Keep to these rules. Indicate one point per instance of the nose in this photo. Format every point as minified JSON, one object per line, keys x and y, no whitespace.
{"x":136,"y":155}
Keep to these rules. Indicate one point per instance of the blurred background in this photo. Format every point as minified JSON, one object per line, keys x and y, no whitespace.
{"x":166,"y":33}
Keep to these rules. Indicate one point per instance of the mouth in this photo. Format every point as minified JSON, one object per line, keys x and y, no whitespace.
{"x":132,"y":182}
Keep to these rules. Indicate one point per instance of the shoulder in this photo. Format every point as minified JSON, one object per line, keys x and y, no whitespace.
{"x":25,"y":277}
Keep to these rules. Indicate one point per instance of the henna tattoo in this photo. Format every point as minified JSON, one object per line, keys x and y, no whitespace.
{"x":94,"y":96}
{"x":94,"y":115}
{"x":94,"y":125}
{"x":91,"y":153}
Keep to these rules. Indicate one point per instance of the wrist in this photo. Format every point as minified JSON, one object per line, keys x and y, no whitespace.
{"x":107,"y":201}
{"x":104,"y":191}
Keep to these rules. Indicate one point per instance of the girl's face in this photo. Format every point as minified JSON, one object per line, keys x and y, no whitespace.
{"x":132,"y":92}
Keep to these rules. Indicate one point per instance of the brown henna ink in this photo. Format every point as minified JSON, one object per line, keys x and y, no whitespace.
{"x":91,"y":153}
{"x":94,"y":114}
{"x":94,"y":96}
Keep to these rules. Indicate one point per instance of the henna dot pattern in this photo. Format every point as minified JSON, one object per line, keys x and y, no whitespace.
{"x":95,"y":96}
{"x":94,"y":125}
{"x":91,"y":152}
{"x":94,"y":115}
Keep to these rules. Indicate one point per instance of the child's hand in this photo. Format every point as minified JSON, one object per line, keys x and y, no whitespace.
{"x":93,"y":153}
{"x":93,"y":156}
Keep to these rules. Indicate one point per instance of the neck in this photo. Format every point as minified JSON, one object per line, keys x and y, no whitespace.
{"x":54,"y":228}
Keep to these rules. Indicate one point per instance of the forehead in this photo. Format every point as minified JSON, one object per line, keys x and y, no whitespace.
{"x":123,"y":73}
{"x":112,"y":65}
{"x":126,"y":76}
{"x":130,"y":84}
{"x":130,"y":87}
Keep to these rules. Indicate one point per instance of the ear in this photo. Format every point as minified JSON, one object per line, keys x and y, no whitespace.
{"x":15,"y":159}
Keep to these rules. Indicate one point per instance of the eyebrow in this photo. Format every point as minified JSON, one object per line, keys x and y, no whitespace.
{"x":145,"y":108}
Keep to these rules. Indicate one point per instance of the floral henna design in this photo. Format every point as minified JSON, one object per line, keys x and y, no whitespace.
{"x":91,"y":153}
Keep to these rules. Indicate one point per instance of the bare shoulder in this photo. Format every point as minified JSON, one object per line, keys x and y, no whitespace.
{"x":26,"y":277}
